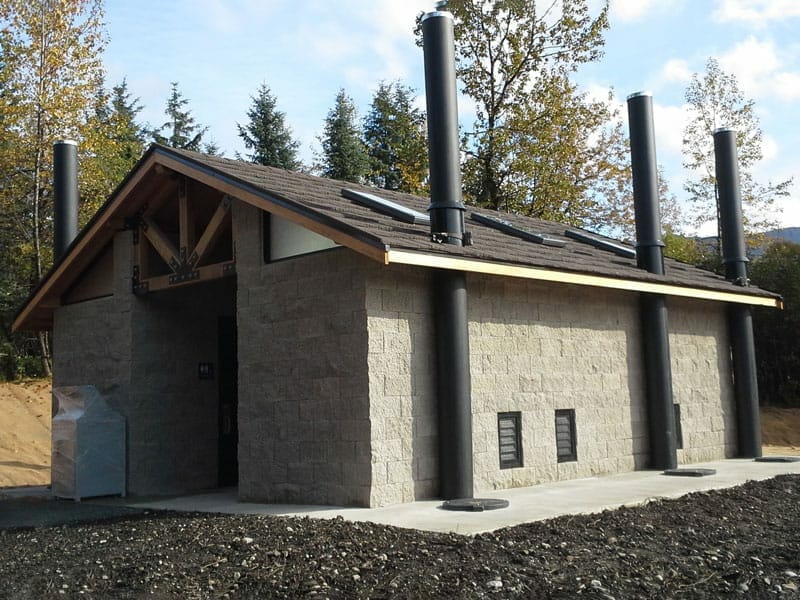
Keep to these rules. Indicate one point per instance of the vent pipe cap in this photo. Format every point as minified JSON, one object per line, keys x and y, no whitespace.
{"x":435,"y":14}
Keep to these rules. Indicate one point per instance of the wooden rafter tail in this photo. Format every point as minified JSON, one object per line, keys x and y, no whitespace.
{"x":216,"y":226}
{"x":161,"y":243}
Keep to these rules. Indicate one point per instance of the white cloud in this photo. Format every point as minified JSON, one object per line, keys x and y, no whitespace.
{"x":231,"y":16}
{"x":630,"y":10}
{"x":374,"y":41}
{"x":756,"y":12}
{"x":669,"y":122}
{"x":675,"y":70}
{"x":758,"y":67}
{"x":769,"y":148}
{"x":788,"y":213}
{"x":787,"y":86}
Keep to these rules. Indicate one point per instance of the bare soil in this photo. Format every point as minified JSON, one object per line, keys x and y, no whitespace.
{"x":25,"y":409}
{"x":780,"y":430}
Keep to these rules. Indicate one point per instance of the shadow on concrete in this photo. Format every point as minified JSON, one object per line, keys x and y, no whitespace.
{"x":27,"y":511}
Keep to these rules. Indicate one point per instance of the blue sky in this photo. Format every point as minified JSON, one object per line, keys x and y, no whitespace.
{"x":220,"y":51}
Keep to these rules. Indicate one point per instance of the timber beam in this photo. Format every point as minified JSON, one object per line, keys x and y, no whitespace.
{"x":183,"y":261}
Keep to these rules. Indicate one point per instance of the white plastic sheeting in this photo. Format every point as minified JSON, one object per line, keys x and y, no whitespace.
{"x":88,"y":445}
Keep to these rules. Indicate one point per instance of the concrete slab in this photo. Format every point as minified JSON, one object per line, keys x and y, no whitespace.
{"x":536,"y":503}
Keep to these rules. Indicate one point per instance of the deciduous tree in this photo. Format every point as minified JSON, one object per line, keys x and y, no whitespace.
{"x":514,"y":59}
{"x":113,"y":142}
{"x":51,"y":59}
{"x":715,"y":101}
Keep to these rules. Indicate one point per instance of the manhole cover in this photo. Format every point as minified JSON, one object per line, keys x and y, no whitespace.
{"x":690,"y":472}
{"x":779,"y":459}
{"x":475,"y":504}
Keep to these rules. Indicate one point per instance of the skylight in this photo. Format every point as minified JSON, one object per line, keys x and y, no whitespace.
{"x":600,"y":243}
{"x":386,"y":207}
{"x":519,"y":232}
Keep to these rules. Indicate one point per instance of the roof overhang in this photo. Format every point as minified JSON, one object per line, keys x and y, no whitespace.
{"x":147,"y":177}
{"x":37,"y":312}
{"x":436,"y":261}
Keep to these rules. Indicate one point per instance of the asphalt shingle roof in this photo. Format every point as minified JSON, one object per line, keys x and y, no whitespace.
{"x":322,"y":198}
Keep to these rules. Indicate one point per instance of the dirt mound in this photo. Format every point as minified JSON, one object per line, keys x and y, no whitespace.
{"x":780,"y":430}
{"x":25,"y":433}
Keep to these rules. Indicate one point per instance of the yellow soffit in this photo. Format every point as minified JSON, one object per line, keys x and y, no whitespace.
{"x":405,"y":257}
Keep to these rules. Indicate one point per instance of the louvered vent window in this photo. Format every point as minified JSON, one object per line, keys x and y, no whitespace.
{"x":509,"y":429}
{"x":678,"y":429}
{"x":566,"y":443}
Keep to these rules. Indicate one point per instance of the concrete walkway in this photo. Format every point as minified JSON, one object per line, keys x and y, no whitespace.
{"x":536,"y":503}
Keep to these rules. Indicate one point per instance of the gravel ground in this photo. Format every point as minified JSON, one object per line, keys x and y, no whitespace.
{"x":742,"y":541}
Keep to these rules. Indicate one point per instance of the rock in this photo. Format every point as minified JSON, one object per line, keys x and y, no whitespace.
{"x":494,"y":584}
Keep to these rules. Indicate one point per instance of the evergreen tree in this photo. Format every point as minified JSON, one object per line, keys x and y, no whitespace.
{"x":514,"y":59}
{"x":343,"y":153}
{"x":184,"y":132}
{"x":395,"y":137}
{"x":776,"y":331}
{"x":212,"y":148}
{"x":267,"y":135}
{"x":125,"y":110}
{"x":113,"y":143}
{"x":715,"y":101}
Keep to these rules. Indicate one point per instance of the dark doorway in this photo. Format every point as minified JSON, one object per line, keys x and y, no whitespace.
{"x":228,"y":403}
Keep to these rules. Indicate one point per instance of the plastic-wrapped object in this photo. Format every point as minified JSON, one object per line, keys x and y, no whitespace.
{"x":88,"y":445}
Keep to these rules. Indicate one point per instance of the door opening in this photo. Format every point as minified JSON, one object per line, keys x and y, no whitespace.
{"x":228,"y":403}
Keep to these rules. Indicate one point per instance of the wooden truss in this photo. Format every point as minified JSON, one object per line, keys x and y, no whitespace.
{"x":186,"y":262}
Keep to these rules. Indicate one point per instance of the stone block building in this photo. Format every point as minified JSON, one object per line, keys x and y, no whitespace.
{"x":276,"y":331}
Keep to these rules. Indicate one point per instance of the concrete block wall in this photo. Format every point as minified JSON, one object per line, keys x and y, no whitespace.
{"x":304,"y":429}
{"x":402,"y":388}
{"x":536,"y":348}
{"x":92,"y":339}
{"x":701,"y":379}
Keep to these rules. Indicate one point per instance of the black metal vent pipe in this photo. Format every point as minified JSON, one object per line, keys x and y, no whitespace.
{"x":644,"y":168}
{"x":730,"y":206}
{"x":444,"y":154}
{"x":453,"y":384}
{"x":650,"y":256}
{"x":65,"y":196}
{"x":740,"y":316}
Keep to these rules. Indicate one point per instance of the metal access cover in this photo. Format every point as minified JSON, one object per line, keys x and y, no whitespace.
{"x":690,"y":472}
{"x":778,"y":459}
{"x":475,"y":504}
